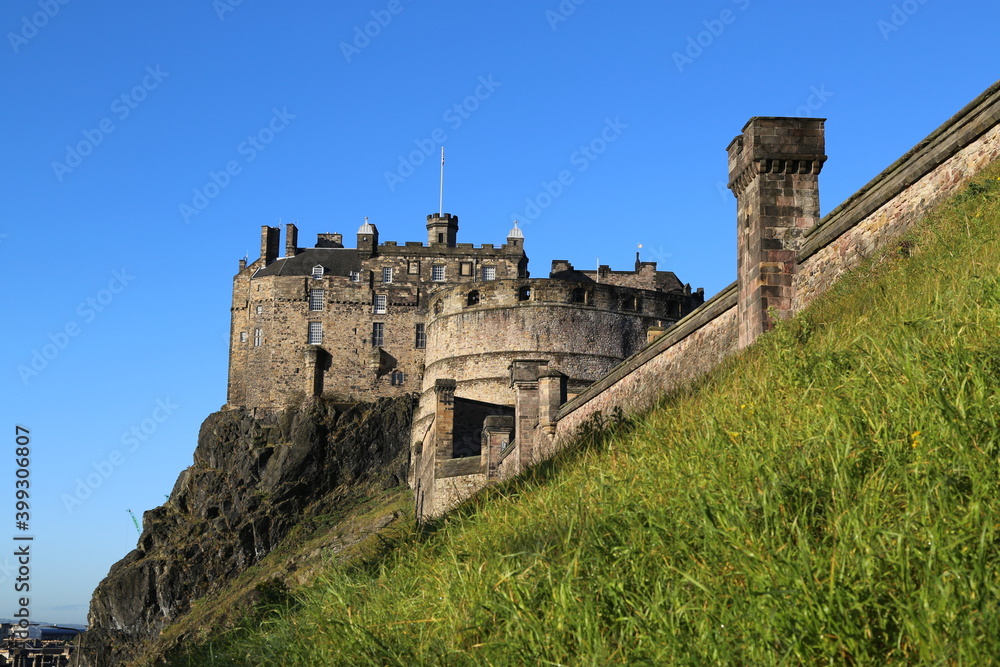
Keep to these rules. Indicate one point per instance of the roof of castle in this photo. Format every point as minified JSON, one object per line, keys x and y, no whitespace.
{"x":665,"y":281}
{"x":335,"y":261}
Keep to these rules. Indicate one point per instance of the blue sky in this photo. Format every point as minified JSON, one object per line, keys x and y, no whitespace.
{"x":145,"y":144}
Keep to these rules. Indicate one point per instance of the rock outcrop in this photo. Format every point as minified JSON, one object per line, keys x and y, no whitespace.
{"x":253,"y":479}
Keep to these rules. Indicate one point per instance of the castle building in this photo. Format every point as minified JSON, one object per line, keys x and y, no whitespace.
{"x":460,"y":325}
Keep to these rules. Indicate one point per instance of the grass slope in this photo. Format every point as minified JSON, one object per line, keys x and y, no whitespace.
{"x":831,"y":496}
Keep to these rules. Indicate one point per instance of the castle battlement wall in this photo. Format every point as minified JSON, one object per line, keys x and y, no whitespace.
{"x":866,"y":224}
{"x":476,"y":331}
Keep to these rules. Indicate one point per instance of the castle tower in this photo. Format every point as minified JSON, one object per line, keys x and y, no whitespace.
{"x":442,"y":229}
{"x":367,"y":238}
{"x":515,"y":237}
{"x":773,"y":172}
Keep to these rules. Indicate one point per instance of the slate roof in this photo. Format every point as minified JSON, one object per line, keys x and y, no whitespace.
{"x":335,"y":262}
{"x":665,"y":281}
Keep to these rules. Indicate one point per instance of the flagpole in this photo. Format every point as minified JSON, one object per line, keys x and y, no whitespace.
{"x":441,"y":197}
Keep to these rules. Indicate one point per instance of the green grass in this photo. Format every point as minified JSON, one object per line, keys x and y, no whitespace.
{"x":829,"y":497}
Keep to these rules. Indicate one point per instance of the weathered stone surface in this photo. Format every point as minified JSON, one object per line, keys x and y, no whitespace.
{"x":253,"y":480}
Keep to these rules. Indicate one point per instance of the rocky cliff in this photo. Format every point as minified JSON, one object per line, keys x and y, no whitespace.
{"x":254,"y":478}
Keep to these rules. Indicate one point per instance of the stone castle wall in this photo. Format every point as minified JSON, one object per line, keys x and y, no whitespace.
{"x":476,"y":332}
{"x":271,"y":359}
{"x":867,"y":224}
{"x":585,"y":331}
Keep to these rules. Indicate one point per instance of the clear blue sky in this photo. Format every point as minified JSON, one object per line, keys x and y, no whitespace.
{"x":116,"y":113}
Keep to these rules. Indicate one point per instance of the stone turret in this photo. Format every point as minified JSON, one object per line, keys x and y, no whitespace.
{"x":442,"y":229}
{"x":367,"y":238}
{"x":773,"y":172}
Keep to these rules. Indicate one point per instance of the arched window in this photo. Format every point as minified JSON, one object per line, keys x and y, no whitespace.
{"x":523,"y":292}
{"x":473,"y":298}
{"x":397,"y":378}
{"x":317,"y":271}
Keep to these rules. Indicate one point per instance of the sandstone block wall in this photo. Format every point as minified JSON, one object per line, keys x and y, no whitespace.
{"x":866,"y":224}
{"x":271,"y":359}
{"x":693,"y":347}
{"x":871,"y":219}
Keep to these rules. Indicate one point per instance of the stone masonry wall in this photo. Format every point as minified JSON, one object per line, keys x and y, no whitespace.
{"x":863,"y":225}
{"x":693,"y":347}
{"x":271,"y":359}
{"x":885,"y":208}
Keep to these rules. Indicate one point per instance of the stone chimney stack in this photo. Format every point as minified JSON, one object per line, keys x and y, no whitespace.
{"x":291,"y":239}
{"x":269,"y":238}
{"x":773,"y":172}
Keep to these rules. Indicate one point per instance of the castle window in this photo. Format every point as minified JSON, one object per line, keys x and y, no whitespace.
{"x":440,"y":238}
{"x":421,"y":337}
{"x":465,"y":269}
{"x":317,"y":271}
{"x":378,"y":334}
{"x":316,"y":299}
{"x":387,"y":274}
{"x":523,"y":293}
{"x":380,"y":303}
{"x":473,"y":298}
{"x":260,"y":309}
{"x":437,"y":307}
{"x":580,"y":295}
{"x":243,"y":336}
{"x":397,"y":378}
{"x":257,"y":338}
{"x":315,"y":335}
{"x":413,"y":268}
{"x":437,"y":272}
{"x":632,"y":303}
{"x":489,"y":273}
